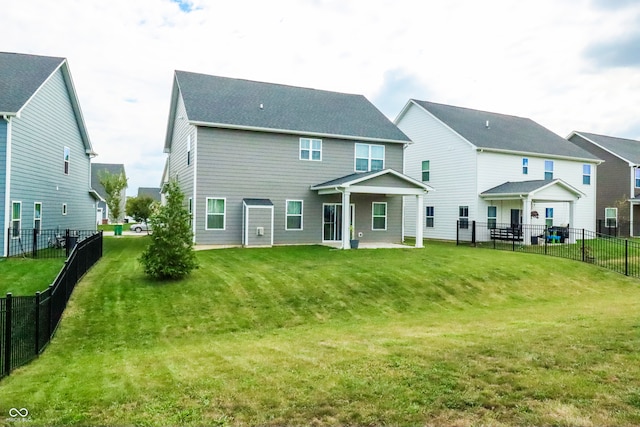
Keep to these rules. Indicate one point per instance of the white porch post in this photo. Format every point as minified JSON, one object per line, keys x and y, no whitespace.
{"x":526,"y":220}
{"x":630,"y":219}
{"x":572,"y":205}
{"x":346,"y":219}
{"x":419,"y":220}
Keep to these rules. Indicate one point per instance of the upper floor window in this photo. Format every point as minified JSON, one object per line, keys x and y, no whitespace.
{"x":311,"y":149}
{"x":64,"y":209}
{"x":586,"y":174}
{"x":369,"y":157}
{"x":67,"y":156}
{"x":548,"y":170}
{"x":425,"y":170}
{"x":215,"y":214}
{"x":188,"y":150}
{"x":525,"y":166}
{"x":294,"y":215}
{"x":637,"y":177}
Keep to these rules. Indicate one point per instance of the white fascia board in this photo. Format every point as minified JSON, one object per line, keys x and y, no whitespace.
{"x":295,"y":132}
{"x":541,"y":155}
{"x":602,"y":147}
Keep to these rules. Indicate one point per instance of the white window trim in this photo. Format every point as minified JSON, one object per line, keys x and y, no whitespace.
{"x":494,"y":218}
{"x":427,"y":216}
{"x":67,"y":163}
{"x":14,"y":219}
{"x":34,"y":215}
{"x":525,"y":167}
{"x":224,"y":214}
{"x":460,"y":217}
{"x":373,"y":216}
{"x":636,"y":177}
{"x":287,"y":215}
{"x":546,"y":217}
{"x":586,"y":174}
{"x":606,"y":224}
{"x":551,"y":171}
{"x":428,"y":170}
{"x":64,"y":209}
{"x":311,"y":150}
{"x":369,"y":146}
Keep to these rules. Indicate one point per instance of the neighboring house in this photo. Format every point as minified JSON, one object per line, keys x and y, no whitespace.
{"x":263,"y":164}
{"x":618,"y":197}
{"x":97,"y":169}
{"x":153,"y":192}
{"x":494,"y":169}
{"x":45,"y":150}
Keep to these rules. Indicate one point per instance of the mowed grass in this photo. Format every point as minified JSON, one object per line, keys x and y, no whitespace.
{"x":26,"y":276}
{"x":443,"y":335}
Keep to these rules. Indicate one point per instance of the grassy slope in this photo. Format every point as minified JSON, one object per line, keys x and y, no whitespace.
{"x":308,"y":335}
{"x":26,"y":276}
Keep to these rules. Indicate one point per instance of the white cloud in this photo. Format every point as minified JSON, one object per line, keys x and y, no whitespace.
{"x":535,"y":59}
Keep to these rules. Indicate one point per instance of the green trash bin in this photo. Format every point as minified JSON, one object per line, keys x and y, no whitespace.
{"x":117,"y":230}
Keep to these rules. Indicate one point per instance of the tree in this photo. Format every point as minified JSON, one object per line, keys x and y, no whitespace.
{"x":113,"y":184}
{"x":140,"y":208}
{"x":170,"y":254}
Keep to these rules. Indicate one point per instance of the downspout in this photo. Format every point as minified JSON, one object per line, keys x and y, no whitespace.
{"x":7,"y":184}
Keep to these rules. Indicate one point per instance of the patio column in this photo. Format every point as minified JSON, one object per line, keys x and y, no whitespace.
{"x":419,"y":220}
{"x":572,"y":206}
{"x":346,"y":219}
{"x":526,"y":220}
{"x":630,"y":219}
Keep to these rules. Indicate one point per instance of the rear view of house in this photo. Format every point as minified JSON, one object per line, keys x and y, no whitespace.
{"x":264,"y":164}
{"x":45,"y":150}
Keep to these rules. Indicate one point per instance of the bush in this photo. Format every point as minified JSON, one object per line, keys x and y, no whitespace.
{"x":170,"y":254}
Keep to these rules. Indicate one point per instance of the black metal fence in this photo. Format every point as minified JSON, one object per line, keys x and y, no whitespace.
{"x":619,"y":255}
{"x":34,"y":243}
{"x":616,"y":228}
{"x":27,"y":323}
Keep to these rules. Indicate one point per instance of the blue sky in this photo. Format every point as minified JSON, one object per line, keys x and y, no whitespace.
{"x":566,"y":64}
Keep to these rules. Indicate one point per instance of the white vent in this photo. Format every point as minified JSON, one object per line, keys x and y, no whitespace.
{"x":259,"y":231}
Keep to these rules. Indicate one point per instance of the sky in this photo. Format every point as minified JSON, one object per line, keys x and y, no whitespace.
{"x":566,"y":64}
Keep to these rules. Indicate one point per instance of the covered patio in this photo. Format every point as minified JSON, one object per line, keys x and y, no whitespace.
{"x":387,"y":182}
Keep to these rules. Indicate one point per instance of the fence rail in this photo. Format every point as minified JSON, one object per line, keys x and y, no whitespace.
{"x":27,"y":323}
{"x":34,"y":243}
{"x":619,"y":255}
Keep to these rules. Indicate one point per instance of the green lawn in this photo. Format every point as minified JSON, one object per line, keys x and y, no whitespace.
{"x":312,"y":336}
{"x":26,"y":276}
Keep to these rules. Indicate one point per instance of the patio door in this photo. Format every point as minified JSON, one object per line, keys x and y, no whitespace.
{"x":516,"y":218}
{"x":332,"y":221}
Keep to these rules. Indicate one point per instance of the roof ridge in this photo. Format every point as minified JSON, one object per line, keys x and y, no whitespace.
{"x":472,"y":109}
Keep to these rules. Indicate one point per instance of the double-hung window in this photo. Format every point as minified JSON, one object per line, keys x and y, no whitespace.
{"x":379,"y":216}
{"x":611,"y":217}
{"x":548,"y":217}
{"x":430,"y":216}
{"x":216,"y":209}
{"x":525,"y":166}
{"x":463,"y":216}
{"x":637,"y":177}
{"x":492,"y":217}
{"x":294,"y":215}
{"x":16,"y":219}
{"x":67,"y":159}
{"x":548,"y":170}
{"x":586,"y":174}
{"x":311,"y":149}
{"x":37,"y":216}
{"x":369,"y":157}
{"x":425,"y":170}
{"x":188,"y":150}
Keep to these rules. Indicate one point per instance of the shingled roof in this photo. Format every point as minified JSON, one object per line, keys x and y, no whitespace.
{"x":244,"y":104}
{"x":97,"y":168}
{"x":504,"y":132}
{"x":626,"y":149}
{"x":21,"y":76}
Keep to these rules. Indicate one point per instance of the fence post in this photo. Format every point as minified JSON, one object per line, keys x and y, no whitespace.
{"x":50,"y":312}
{"x":626,"y":257}
{"x":7,"y":335}
{"x":583,"y":254}
{"x":37,"y":323}
{"x":9,"y":241}
{"x":457,"y":232}
{"x":34,"y":244}
{"x":67,"y":246}
{"x":473,"y":233}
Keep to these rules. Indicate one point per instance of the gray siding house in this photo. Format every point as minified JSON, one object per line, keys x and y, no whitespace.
{"x":265,"y":164}
{"x":45,"y":150}
{"x":102,"y":214}
{"x":618,"y":196}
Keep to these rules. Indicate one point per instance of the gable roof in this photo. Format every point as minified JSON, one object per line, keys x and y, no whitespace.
{"x":626,"y":149}
{"x":523,"y":188}
{"x":22,"y":75}
{"x":243,"y":104}
{"x":153,"y":192}
{"x":96,"y":168}
{"x":504,"y":133}
{"x":351,"y":180}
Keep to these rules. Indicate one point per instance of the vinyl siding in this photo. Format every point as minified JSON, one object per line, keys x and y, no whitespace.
{"x":453,"y":168}
{"x":3,"y":184}
{"x":615,"y":177}
{"x":242,"y":164}
{"x":178,"y":166}
{"x":48,"y":124}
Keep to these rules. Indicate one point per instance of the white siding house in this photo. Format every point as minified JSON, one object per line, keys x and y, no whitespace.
{"x":489,"y":167}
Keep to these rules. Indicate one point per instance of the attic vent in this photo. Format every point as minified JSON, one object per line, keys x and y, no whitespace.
{"x":262,"y":106}
{"x":487,"y":124}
